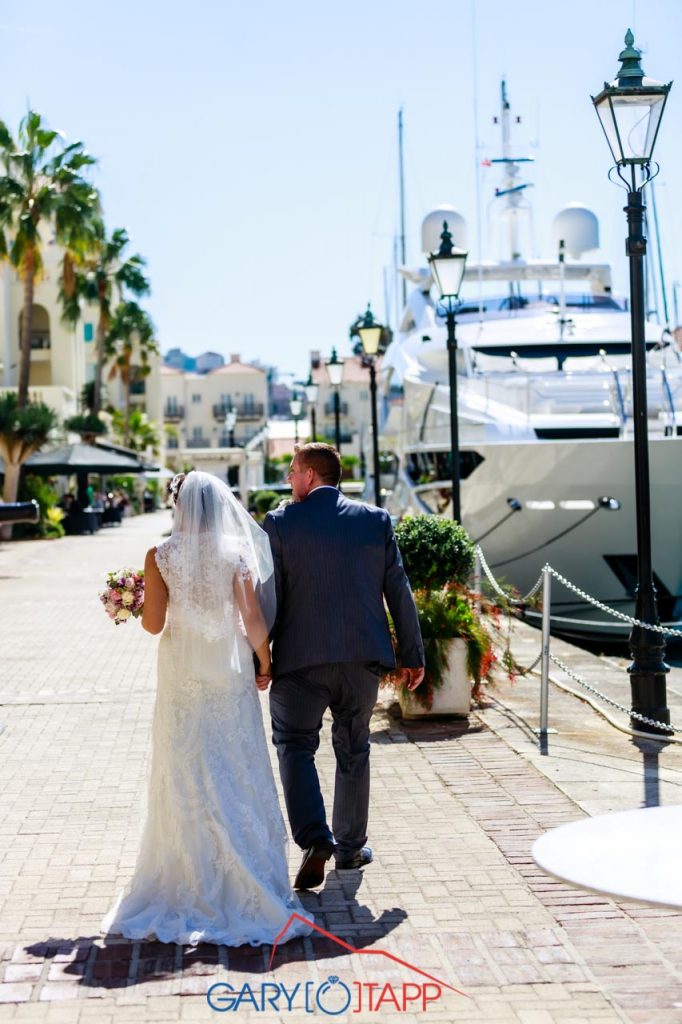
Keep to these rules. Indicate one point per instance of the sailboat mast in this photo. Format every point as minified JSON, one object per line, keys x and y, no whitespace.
{"x":401,"y":171}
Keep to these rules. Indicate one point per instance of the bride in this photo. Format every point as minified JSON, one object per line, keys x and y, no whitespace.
{"x":212,"y":866}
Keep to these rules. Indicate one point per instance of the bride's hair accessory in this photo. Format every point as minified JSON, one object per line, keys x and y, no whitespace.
{"x":175,"y":485}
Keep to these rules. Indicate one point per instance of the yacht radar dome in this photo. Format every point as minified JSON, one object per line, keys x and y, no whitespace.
{"x":579,"y":229}
{"x":432,"y":228}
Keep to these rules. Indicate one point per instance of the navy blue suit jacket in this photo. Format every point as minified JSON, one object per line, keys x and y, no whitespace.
{"x":335,"y":561}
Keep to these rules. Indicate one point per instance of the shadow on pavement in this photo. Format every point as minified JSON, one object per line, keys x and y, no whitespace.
{"x":114,"y":962}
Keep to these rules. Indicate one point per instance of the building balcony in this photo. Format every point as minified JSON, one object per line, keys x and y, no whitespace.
{"x":174,"y":413}
{"x":249,"y":411}
{"x":329,"y":408}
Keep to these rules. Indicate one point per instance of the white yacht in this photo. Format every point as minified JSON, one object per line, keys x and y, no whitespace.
{"x":545,"y":416}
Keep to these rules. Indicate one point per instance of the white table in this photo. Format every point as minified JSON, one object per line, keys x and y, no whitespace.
{"x":632,"y":855}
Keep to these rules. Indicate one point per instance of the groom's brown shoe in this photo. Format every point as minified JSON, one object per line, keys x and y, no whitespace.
{"x":311,"y":872}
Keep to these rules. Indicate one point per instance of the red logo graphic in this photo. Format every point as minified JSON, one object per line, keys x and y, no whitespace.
{"x":362,"y":952}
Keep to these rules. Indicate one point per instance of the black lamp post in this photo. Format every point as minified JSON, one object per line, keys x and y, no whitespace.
{"x":370,"y":337}
{"x":311,"y":389}
{"x":295,"y":408}
{"x":230,"y":424}
{"x":630,"y":110}
{"x":335,"y":373}
{"x":447,"y":267}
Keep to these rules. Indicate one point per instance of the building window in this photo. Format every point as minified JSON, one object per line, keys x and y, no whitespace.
{"x":364,"y":396}
{"x":196,"y":433}
{"x":196,"y":398}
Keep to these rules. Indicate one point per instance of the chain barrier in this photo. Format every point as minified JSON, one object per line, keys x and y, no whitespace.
{"x":498,"y":589}
{"x":665,"y":630}
{"x":610,"y":611}
{"x":547,"y":569}
{"x":609,"y":700}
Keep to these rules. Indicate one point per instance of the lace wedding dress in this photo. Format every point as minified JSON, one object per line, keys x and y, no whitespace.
{"x":212,"y":865}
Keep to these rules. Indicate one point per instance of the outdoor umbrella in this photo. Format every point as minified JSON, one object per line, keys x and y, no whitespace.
{"x":82,"y":459}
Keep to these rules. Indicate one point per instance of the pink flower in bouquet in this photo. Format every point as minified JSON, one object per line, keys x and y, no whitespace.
{"x":124,"y":596}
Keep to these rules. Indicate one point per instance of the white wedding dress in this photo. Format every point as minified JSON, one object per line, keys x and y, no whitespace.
{"x":213,"y":860}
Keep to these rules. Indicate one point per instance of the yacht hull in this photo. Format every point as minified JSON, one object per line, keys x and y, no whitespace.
{"x":593,"y":548}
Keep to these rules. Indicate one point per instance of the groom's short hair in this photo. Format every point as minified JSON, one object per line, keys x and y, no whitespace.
{"x":321,"y":458}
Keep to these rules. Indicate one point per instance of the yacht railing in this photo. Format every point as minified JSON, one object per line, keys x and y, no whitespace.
{"x":620,"y":400}
{"x":606,"y":396}
{"x":671,"y":402}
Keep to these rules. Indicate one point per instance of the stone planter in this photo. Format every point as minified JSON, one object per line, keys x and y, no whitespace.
{"x":453,"y":697}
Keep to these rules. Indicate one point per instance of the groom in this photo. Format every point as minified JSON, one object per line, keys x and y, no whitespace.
{"x":335,"y":561}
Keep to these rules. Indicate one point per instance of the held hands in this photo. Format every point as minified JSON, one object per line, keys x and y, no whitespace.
{"x":264,"y":675}
{"x":412,"y":677}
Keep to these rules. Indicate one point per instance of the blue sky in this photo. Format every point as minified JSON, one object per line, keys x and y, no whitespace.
{"x":250,"y":149}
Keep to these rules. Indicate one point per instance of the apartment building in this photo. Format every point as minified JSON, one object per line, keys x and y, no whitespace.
{"x":63,"y":358}
{"x":354,"y":398}
{"x":216,"y":420}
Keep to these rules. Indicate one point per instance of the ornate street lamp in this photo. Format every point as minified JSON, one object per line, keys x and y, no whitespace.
{"x":295,"y":408}
{"x":335,"y":374}
{"x":311,"y":389}
{"x":447,"y":267}
{"x":370,"y":336}
{"x":630,"y":110}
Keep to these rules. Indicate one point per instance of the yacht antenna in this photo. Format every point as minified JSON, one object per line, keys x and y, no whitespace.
{"x":401,"y":169}
{"x":512,"y":188}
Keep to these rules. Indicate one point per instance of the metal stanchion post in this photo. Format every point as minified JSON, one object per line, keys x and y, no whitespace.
{"x":478,"y":581}
{"x":544,"y":684}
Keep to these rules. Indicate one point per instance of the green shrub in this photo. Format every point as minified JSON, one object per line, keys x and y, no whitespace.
{"x":38,"y":488}
{"x":265,"y":501}
{"x":435,"y":551}
{"x":85,"y":424}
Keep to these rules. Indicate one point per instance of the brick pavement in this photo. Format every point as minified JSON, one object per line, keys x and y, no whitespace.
{"x":454,"y":811}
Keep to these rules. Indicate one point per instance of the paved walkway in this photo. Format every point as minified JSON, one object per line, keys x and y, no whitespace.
{"x":455,"y":808}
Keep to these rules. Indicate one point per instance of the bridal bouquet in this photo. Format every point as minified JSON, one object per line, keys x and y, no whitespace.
{"x":124,"y":596}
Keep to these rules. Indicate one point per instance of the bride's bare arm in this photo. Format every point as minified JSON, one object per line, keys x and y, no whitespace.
{"x":252,"y":617}
{"x":155,"y":596}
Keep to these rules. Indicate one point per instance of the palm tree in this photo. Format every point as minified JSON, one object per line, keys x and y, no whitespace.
{"x":130,"y":329}
{"x":23,"y":430}
{"x":103,"y":278}
{"x":138,"y":431}
{"x":42,"y":188}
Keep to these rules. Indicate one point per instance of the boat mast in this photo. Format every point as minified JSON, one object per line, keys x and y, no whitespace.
{"x":401,"y":171}
{"x":511,"y":188}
